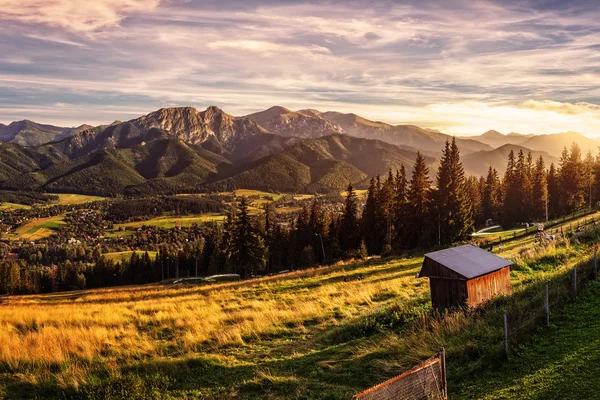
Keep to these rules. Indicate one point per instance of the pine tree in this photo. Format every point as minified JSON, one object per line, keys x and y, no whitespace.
{"x":523,"y":184}
{"x":247,"y":249}
{"x":385,"y":212}
{"x":512,"y":196}
{"x":418,"y":204}
{"x":491,"y":201}
{"x":596,"y":182}
{"x":540,"y":190}
{"x":369,"y":219}
{"x":455,"y":210}
{"x":350,"y":225}
{"x":553,"y":192}
{"x":588,"y":178}
{"x":400,"y":205}
{"x":572,"y":187}
{"x":318,"y":227}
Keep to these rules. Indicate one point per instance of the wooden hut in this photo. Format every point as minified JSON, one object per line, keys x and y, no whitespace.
{"x":465,"y":276}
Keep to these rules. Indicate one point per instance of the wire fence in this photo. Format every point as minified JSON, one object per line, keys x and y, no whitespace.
{"x":427,"y":381}
{"x":555,"y":227}
{"x":539,"y":301}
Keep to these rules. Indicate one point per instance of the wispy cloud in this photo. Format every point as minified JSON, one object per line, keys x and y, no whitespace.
{"x":79,"y":16}
{"x":464,"y":67}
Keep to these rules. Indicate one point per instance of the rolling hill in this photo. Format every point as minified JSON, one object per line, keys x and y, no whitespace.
{"x":321,"y":164}
{"x":555,"y":143}
{"x":497,"y":139}
{"x":29,"y":133}
{"x":479,"y":162}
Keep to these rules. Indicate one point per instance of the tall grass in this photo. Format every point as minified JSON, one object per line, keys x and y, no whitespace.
{"x":309,"y":331}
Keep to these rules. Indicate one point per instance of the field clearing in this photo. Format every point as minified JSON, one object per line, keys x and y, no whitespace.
{"x":14,"y":206}
{"x":39,"y":228}
{"x":171,"y":222}
{"x":305,"y":334}
{"x":72,"y":199}
{"x":126,"y":255}
{"x":287,"y":210}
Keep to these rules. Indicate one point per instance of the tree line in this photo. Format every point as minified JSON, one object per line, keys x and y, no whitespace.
{"x":400,"y":212}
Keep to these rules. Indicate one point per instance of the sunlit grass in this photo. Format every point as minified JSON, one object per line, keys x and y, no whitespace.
{"x":294,"y":335}
{"x":72,"y":199}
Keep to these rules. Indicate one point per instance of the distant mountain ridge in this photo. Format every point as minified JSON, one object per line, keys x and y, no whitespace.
{"x":181,"y":149}
{"x":29,"y":133}
{"x":496,"y":139}
{"x":478,"y":163}
{"x":284,"y":122}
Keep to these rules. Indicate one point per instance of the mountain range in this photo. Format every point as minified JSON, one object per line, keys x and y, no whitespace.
{"x":186,"y":150}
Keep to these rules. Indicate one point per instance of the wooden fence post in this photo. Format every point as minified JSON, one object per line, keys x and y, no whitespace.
{"x":505,"y":335}
{"x":444,"y":380}
{"x":547,"y":306}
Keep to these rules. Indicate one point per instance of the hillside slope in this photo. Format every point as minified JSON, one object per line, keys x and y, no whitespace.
{"x":555,"y":143}
{"x":29,"y":133}
{"x":426,"y":140}
{"x":323,"y":164}
{"x":479,"y":162}
{"x":497,"y":139}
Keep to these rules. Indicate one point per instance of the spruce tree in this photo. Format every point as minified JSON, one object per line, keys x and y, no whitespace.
{"x":400,"y":214}
{"x":247,"y":249}
{"x":553,"y":192}
{"x":369,"y":219}
{"x":350,"y":235}
{"x":572,"y":187}
{"x":540,"y":190}
{"x":453,"y":199}
{"x":588,"y":178}
{"x":491,"y":196}
{"x":512,"y":196}
{"x":418,"y":205}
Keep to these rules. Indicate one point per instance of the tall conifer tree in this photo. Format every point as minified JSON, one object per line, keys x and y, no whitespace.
{"x":418,"y":204}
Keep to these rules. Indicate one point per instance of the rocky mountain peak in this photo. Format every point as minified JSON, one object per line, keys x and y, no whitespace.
{"x":284,"y":122}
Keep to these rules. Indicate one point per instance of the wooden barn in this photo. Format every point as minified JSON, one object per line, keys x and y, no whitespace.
{"x":465,"y":276}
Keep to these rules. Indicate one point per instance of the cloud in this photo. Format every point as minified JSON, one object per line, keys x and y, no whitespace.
{"x":79,"y":16}
{"x":438,"y":64}
{"x":562,"y":108}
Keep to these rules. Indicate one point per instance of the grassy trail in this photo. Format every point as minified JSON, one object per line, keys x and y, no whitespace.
{"x":560,"y":362}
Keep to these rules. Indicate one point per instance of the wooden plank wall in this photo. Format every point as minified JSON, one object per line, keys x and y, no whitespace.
{"x":487,"y":286}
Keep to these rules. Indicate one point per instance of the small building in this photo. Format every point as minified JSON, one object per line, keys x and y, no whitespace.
{"x":465,"y":276}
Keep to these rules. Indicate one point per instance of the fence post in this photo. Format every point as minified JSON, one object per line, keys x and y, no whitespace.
{"x":575,"y":281}
{"x":505,"y":335}
{"x":444,"y":382}
{"x":547,"y":306}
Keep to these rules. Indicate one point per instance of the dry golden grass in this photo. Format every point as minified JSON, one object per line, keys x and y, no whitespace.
{"x":150,"y":322}
{"x":260,"y":329}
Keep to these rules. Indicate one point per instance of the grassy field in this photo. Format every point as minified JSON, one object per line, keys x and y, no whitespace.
{"x":306,"y":334}
{"x":126,"y":255}
{"x":14,"y":206}
{"x":562,"y":362}
{"x":71,"y":199}
{"x":169,"y":222}
{"x":38,"y":228}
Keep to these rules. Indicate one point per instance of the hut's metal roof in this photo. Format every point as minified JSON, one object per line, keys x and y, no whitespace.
{"x":469,"y":260}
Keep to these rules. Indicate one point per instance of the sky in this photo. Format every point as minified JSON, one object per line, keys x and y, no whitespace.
{"x":462,"y":67}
